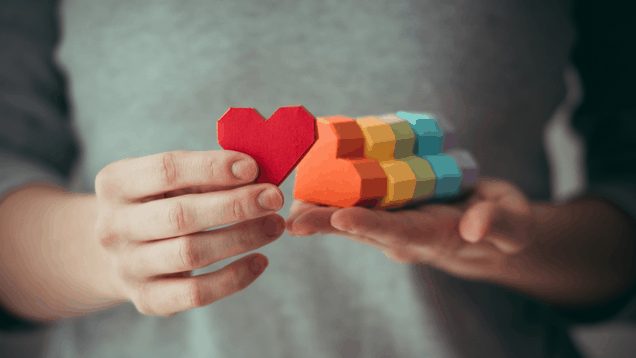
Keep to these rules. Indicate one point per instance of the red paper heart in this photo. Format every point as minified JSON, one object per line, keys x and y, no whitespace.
{"x":277,"y":144}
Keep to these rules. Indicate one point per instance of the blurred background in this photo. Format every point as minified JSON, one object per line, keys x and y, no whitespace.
{"x":566,"y":153}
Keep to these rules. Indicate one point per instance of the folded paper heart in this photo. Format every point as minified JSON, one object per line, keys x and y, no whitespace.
{"x":276,"y":144}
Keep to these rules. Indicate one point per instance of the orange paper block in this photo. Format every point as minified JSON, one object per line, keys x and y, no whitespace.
{"x":334,"y":172}
{"x":401,"y":183}
{"x":349,"y":142}
{"x":373,"y":179}
{"x":341,"y":183}
{"x":379,"y":138}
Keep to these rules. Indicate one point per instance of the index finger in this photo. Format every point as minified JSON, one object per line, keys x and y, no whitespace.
{"x":137,"y":178}
{"x":298,"y":208}
{"x":308,"y":219}
{"x":504,"y":193}
{"x":401,"y":228}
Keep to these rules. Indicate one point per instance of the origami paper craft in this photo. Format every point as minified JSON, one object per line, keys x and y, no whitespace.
{"x":277,"y":144}
{"x":383,"y":162}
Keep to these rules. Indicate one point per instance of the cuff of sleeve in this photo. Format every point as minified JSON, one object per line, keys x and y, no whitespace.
{"x":621,"y":193}
{"x":16,"y":171}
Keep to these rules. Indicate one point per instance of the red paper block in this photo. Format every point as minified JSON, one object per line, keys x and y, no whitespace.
{"x":277,"y":144}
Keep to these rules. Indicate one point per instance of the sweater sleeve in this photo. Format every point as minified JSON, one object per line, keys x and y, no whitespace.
{"x":604,"y":56}
{"x":36,"y":141}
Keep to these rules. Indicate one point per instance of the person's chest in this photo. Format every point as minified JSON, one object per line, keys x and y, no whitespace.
{"x":149,"y":77}
{"x":154,"y":77}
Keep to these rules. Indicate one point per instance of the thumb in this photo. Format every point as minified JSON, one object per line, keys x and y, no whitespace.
{"x":477,"y":221}
{"x":494,"y":223}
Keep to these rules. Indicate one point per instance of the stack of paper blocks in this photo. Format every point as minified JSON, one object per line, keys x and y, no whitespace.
{"x":384,"y":162}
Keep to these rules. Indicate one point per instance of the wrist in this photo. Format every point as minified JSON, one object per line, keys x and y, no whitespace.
{"x":102,"y":280}
{"x":99,"y":280}
{"x":50,"y":267}
{"x":582,"y":255}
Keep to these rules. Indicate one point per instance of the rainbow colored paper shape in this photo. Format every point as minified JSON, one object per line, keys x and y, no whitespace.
{"x":383,"y":162}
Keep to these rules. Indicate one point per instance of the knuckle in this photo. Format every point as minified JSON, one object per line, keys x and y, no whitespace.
{"x":103,"y":180}
{"x":247,"y":240}
{"x":168,"y":170}
{"x":105,"y":236}
{"x":123,"y":271}
{"x":194,"y":294}
{"x":189,"y":256}
{"x":237,"y":210}
{"x":99,"y":182}
{"x":213,"y":166}
{"x":106,"y":178}
{"x":142,"y":302}
{"x":177,"y":217}
{"x":239,"y":279}
{"x":145,"y":310}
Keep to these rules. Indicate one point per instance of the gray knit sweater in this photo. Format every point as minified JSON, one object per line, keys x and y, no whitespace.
{"x":144,"y":77}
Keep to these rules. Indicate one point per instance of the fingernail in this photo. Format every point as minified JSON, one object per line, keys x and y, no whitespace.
{"x":258,"y":264}
{"x":244,"y":170}
{"x":272,"y":227}
{"x":270,"y":199}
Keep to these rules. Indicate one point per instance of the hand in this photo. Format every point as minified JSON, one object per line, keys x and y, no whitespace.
{"x":471,"y":238}
{"x":151,"y":217}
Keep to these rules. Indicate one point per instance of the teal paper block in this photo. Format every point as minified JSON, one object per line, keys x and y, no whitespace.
{"x":447,"y":173}
{"x":429,"y":136}
{"x":450,"y":134}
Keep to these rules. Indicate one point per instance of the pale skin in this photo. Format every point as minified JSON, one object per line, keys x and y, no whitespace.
{"x":141,"y":235}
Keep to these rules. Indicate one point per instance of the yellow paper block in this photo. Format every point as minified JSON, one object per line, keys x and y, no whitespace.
{"x":423,"y":171}
{"x":378,"y":137}
{"x":404,"y":135}
{"x":401,"y":183}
